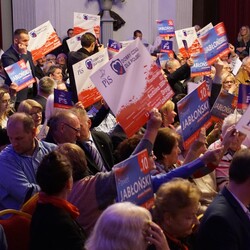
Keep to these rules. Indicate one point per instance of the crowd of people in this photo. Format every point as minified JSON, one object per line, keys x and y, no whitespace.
{"x":61,"y":160}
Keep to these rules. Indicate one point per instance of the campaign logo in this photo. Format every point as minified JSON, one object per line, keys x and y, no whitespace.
{"x":117,"y":67}
{"x":89,"y":64}
{"x":166,"y":45}
{"x":85,"y":17}
{"x":114,"y":45}
{"x":33,"y":34}
{"x":78,"y":38}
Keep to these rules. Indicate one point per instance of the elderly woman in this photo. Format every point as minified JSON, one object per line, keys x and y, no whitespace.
{"x":34,"y":109}
{"x":125,"y":226}
{"x":176,"y":207}
{"x":229,"y":83}
{"x":53,"y":224}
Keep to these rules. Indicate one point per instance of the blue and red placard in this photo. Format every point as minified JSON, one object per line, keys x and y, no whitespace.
{"x":194,"y":113}
{"x":244,"y":96}
{"x":20,"y":74}
{"x":62,"y":99}
{"x":224,"y":105}
{"x":133,"y":181}
{"x":166,"y":28}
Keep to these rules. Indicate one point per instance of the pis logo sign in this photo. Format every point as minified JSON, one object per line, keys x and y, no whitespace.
{"x":89,"y":64}
{"x":117,"y":67}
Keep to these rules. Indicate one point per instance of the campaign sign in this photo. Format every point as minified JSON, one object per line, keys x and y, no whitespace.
{"x":224,"y":105}
{"x":164,"y":57}
{"x":43,"y":39}
{"x":243,"y":124}
{"x":62,"y":99}
{"x":194,"y":113}
{"x":244,"y":96}
{"x":20,"y":74}
{"x":133,"y":181}
{"x":165,"y":28}
{"x":132,"y":84}
{"x":166,"y":46}
{"x":74,"y":43}
{"x":215,"y":43}
{"x":86,"y":23}
{"x":113,"y":47}
{"x":189,"y":46}
{"x":86,"y":90}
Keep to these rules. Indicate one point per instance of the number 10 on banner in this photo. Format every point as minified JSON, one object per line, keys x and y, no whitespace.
{"x":203,"y":91}
{"x":145,"y":164}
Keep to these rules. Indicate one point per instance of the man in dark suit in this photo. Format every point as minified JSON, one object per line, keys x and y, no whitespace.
{"x":99,"y":140}
{"x":89,"y":47}
{"x":226,"y":223}
{"x":16,"y":52}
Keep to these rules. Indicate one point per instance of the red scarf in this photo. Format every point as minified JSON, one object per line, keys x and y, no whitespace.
{"x":176,"y":241}
{"x":58,"y":202}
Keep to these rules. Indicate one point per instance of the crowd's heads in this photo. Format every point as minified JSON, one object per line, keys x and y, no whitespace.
{"x":137,"y":33}
{"x":176,"y":206}
{"x":228,"y":80}
{"x":88,"y":40}
{"x":70,"y":32}
{"x":46,"y":85}
{"x":84,"y":121}
{"x":54,"y":166}
{"x":4,"y":100}
{"x":121,"y":226}
{"x":246,"y":64}
{"x":166,"y":146}
{"x":172,"y":65}
{"x":55,"y":72}
{"x":239,"y":137}
{"x":77,"y":158}
{"x":239,"y":171}
{"x":244,"y":33}
{"x":64,"y":126}
{"x":168,"y":113}
{"x":21,"y":36}
{"x":21,"y":131}
{"x":32,"y":108}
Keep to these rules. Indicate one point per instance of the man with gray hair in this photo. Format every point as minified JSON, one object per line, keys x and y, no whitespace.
{"x":19,"y":161}
{"x":45,"y":88}
{"x":243,"y":75}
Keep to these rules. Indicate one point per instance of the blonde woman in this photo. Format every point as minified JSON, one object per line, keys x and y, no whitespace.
{"x":229,"y":83}
{"x":34,"y":109}
{"x":168,"y":114}
{"x":243,"y":42}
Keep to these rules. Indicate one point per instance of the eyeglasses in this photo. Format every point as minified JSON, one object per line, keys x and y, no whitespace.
{"x":77,"y":130}
{"x":39,"y":112}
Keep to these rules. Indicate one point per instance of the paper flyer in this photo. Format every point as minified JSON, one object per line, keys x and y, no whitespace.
{"x":20,"y":74}
{"x":214,"y":43}
{"x":43,"y":39}
{"x":244,"y":96}
{"x":86,"y":23}
{"x":224,"y":105}
{"x":236,"y":65}
{"x":133,"y":180}
{"x":86,"y":90}
{"x":132,"y":84}
{"x":189,"y":46}
{"x":74,"y":43}
{"x":62,"y":99}
{"x":204,"y":30}
{"x":165,"y":28}
{"x":243,"y":124}
{"x":113,"y":48}
{"x":194,"y":113}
